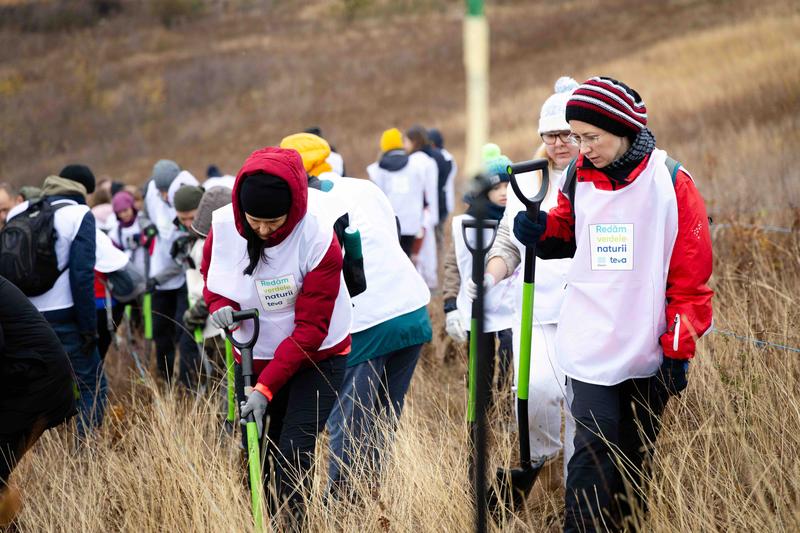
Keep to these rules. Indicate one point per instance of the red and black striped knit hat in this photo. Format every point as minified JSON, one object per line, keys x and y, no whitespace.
{"x":608,"y":104}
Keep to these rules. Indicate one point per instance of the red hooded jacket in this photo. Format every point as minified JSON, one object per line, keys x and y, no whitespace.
{"x":317,"y":296}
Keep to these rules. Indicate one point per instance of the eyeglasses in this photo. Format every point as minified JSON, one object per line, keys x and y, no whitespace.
{"x":588,"y":140}
{"x":550,"y":138}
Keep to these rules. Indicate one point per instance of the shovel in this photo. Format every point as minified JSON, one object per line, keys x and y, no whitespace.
{"x":251,"y":428}
{"x":231,"y":393}
{"x":515,"y":484}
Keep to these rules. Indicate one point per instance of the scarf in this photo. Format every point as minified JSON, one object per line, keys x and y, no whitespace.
{"x":642,"y":146}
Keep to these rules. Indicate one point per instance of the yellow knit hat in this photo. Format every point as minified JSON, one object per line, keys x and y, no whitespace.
{"x":313,"y":149}
{"x":391,"y":140}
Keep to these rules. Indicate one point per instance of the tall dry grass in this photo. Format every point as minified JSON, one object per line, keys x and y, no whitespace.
{"x":722,"y":92}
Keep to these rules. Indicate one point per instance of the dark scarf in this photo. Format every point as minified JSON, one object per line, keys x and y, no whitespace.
{"x":642,"y":146}
{"x":493,"y":211}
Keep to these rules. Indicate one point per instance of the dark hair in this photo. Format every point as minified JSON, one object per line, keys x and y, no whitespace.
{"x":418,"y":137}
{"x":256,"y":247}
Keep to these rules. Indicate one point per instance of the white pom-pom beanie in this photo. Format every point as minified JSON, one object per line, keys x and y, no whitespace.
{"x":553,"y":114}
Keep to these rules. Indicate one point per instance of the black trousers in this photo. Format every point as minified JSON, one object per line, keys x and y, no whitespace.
{"x":168,"y":329}
{"x":502,"y":356}
{"x":295,"y":417}
{"x":616,"y":430}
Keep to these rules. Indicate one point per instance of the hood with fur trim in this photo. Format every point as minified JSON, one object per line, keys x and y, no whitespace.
{"x":285,"y":164}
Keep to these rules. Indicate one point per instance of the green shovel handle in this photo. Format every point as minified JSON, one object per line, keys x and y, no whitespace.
{"x":147,"y":311}
{"x":231,"y":384}
{"x":254,"y":463}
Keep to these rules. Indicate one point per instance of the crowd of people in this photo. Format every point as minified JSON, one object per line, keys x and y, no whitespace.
{"x":341,"y":271}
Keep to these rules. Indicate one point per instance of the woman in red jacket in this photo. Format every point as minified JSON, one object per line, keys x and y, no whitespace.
{"x":636,"y":296}
{"x":265,"y":251}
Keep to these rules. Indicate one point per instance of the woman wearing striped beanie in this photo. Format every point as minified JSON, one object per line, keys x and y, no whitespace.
{"x":636,"y":296}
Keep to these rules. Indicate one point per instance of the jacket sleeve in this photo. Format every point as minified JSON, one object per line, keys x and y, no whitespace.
{"x":81,"y":274}
{"x":688,"y":294}
{"x":504,"y":247}
{"x":558,"y":239}
{"x":452,"y":279}
{"x":312,"y":317}
{"x":213,"y":300}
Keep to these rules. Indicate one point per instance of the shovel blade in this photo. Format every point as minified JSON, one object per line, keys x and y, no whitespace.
{"x":513,"y":486}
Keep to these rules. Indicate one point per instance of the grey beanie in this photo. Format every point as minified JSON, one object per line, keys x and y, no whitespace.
{"x":187,"y":198}
{"x":164,"y":171}
{"x":212,"y":200}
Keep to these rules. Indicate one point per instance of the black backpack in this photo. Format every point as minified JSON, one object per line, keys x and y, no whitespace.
{"x":28,"y":249}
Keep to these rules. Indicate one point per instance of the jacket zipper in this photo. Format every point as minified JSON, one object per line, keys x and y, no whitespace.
{"x":677,"y":332}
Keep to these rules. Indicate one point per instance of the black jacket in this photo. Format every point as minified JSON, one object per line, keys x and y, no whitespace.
{"x":36,"y":383}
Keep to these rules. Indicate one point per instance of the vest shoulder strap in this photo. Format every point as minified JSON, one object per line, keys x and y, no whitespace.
{"x":673,"y":166}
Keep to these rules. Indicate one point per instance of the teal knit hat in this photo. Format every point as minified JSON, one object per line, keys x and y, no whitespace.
{"x":495,"y":164}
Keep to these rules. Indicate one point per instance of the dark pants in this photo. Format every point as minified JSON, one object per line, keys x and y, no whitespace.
{"x":371,"y":391}
{"x":168,"y":329}
{"x":616,"y":430}
{"x":89,"y":375}
{"x":295,"y":417}
{"x":104,"y":334}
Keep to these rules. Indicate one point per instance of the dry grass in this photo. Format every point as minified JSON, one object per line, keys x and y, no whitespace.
{"x":722,"y":84}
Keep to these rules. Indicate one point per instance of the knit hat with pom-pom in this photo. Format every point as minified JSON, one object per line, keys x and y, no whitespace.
{"x":553,"y":114}
{"x":495,"y":164}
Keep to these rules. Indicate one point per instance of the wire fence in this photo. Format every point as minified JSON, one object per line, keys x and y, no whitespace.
{"x":757,"y":342}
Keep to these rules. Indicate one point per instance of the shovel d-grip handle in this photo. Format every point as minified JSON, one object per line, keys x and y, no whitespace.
{"x":474,"y":224}
{"x":246,"y":348}
{"x":531,"y":204}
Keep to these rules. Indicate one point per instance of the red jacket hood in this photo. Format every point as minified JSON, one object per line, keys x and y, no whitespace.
{"x":285,"y":164}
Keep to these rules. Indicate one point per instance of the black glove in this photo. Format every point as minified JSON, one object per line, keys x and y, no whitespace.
{"x":527,"y":231}
{"x":88,"y":342}
{"x":673,"y":374}
{"x":195,"y":316}
{"x":151,"y":285}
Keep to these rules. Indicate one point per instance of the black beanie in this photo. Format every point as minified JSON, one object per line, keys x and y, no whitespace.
{"x":265,"y":196}
{"x":80,"y":173}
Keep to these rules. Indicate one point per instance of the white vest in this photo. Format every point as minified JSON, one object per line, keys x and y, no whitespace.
{"x":122,"y":237}
{"x":498,"y":303}
{"x":108,"y":258}
{"x":394,"y":287}
{"x":405,"y":189}
{"x":551,"y":274}
{"x":274,"y":285}
{"x":67,"y":221}
{"x":613,"y":312}
{"x":162,"y":215}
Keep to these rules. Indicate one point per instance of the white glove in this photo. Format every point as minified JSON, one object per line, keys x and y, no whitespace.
{"x":488,"y":283}
{"x":454,"y":327}
{"x":223,"y":318}
{"x":256,"y":405}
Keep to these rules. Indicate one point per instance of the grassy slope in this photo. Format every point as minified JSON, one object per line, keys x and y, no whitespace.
{"x":721,"y":82}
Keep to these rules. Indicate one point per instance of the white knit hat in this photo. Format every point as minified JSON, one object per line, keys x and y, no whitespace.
{"x":553,"y":114}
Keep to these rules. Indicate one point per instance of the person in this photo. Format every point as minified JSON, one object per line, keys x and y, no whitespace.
{"x":196,"y":316}
{"x":421,"y":156}
{"x":36,"y":386}
{"x":101,"y":207}
{"x":636,"y":296}
{"x":126,"y":231}
{"x":405,"y":186}
{"x":108,"y":259}
{"x":29,"y":193}
{"x":215,"y":178}
{"x":267,"y":251}
{"x":546,"y":382}
{"x":335,"y":159}
{"x":458,"y":273}
{"x":8,"y":199}
{"x":437,"y":140}
{"x":390,"y":322}
{"x":69,"y":304}
{"x":168,"y":277}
